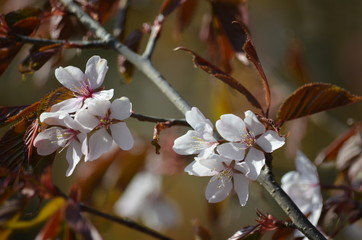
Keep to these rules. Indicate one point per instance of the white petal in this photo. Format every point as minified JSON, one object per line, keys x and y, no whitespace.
{"x":270,"y":141}
{"x":122,"y":136}
{"x":241,"y":186}
{"x":96,"y":69}
{"x":235,"y":151}
{"x":70,"y":77}
{"x":121,"y":108}
{"x":242,"y":167}
{"x":217,"y":189}
{"x":231,"y":127}
{"x":87,"y":120}
{"x":256,"y":160}
{"x":215,"y":162}
{"x":195,"y":117}
{"x":70,"y":105}
{"x":306,"y":168}
{"x":197,"y":169}
{"x":190,"y":143}
{"x":47,"y":142}
{"x":98,"y":107}
{"x":74,"y":154}
{"x":253,"y":124}
{"x":99,"y":143}
{"x":103,"y":94}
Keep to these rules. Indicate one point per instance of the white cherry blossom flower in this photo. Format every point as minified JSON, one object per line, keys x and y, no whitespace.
{"x":198,"y":141}
{"x":247,"y":137}
{"x":107,"y":119}
{"x":84,"y":85}
{"x":303,"y":188}
{"x":66,"y":133}
{"x":226,"y":175}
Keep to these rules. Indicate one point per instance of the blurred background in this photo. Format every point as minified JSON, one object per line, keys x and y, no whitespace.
{"x":297,"y":41}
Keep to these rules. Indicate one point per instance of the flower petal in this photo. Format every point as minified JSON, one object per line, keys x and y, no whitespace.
{"x":231,"y":127}
{"x":95,"y":71}
{"x":194,"y":117}
{"x":306,"y":168}
{"x":218,"y":189}
{"x":121,"y":108}
{"x":270,"y":141}
{"x":87,"y":120}
{"x":122,"y":136}
{"x":241,"y":186}
{"x":235,"y":151}
{"x":215,"y":162}
{"x":70,"y":77}
{"x":190,"y":143}
{"x":47,"y":142}
{"x":197,"y":169}
{"x":74,"y":154}
{"x":98,"y":107}
{"x":253,"y":124}
{"x":103,"y":94}
{"x":99,"y":143}
{"x":70,"y":105}
{"x":256,"y":160}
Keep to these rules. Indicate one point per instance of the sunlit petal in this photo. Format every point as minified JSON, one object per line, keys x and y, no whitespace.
{"x":100,"y":142}
{"x":70,"y":77}
{"x":270,"y":141}
{"x":235,"y":151}
{"x":96,"y":69}
{"x":74,"y":154}
{"x":121,"y":108}
{"x":241,"y":186}
{"x":231,"y":127}
{"x":253,"y":124}
{"x":122,"y":136}
{"x":218,"y":189}
{"x":255,"y":160}
{"x":69,"y":105}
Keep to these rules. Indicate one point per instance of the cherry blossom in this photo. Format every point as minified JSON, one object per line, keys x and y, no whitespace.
{"x":248,"y":137}
{"x":198,"y":141}
{"x":107,"y":119}
{"x":84,"y":85}
{"x":226,"y":175}
{"x":66,"y":132}
{"x":303,"y":188}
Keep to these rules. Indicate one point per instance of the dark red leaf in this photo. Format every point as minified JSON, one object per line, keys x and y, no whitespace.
{"x":8,"y":112}
{"x":313,"y":98}
{"x":169,"y":5}
{"x":216,"y":72}
{"x":185,"y":14}
{"x":248,"y":232}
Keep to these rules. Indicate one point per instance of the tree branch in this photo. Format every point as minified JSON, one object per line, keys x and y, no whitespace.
{"x":155,"y":33}
{"x":171,"y":122}
{"x":266,"y":179}
{"x":143,"y":64}
{"x":124,"y":221}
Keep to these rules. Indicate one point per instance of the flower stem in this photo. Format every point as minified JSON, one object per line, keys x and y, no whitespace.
{"x":267,"y":180}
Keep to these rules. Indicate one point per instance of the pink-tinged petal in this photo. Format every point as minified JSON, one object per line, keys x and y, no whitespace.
{"x":306,"y":168}
{"x":121,"y":108}
{"x":231,"y":127}
{"x":87,"y":120}
{"x":253,"y":124}
{"x":82,"y":138}
{"x":242,"y":167}
{"x":74,"y":154}
{"x":103,"y":94}
{"x":218,"y":189}
{"x":255,"y":160}
{"x":100,"y":142}
{"x":241,"y":186}
{"x":70,"y":77}
{"x":70,"y":105}
{"x":122,"y":136}
{"x":197,"y":169}
{"x":235,"y":151}
{"x":289,"y":178}
{"x":47,"y":142}
{"x":95,"y":71}
{"x":190,"y":143}
{"x":194,"y":117}
{"x":54,"y":118}
{"x":98,"y":107}
{"x":215,"y":162}
{"x":270,"y":141}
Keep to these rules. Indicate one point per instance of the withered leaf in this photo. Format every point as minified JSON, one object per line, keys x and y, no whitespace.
{"x":226,"y":78}
{"x":249,"y":232}
{"x":169,"y":6}
{"x":313,"y":98}
{"x":185,"y":14}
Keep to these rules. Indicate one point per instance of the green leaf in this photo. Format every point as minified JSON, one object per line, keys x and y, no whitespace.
{"x":313,"y":98}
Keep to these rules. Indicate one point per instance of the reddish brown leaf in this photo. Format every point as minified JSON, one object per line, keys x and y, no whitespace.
{"x":125,"y":67}
{"x":185,"y":14}
{"x":52,"y":227}
{"x":313,"y":98}
{"x":8,"y":112}
{"x":169,"y":5}
{"x":216,"y":72}
{"x":249,"y":232}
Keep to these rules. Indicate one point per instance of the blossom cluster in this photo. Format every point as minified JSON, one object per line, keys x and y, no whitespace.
{"x":232,"y":161}
{"x":88,"y":123}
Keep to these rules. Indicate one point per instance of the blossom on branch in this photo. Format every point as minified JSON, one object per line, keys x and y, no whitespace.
{"x":66,"y":132}
{"x":106,"y":119}
{"x":85,"y":85}
{"x":248,"y":137}
{"x":303,"y":188}
{"x":198,"y":141}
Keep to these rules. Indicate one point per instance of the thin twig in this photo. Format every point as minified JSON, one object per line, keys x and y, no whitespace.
{"x":171,"y":122}
{"x":266,"y":179}
{"x":143,"y":64}
{"x":155,"y":33}
{"x":124,"y":221}
{"x":44,"y":42}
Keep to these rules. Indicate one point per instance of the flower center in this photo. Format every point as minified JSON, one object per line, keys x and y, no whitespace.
{"x":105,"y":121}
{"x":248,"y":139}
{"x":85,"y":90}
